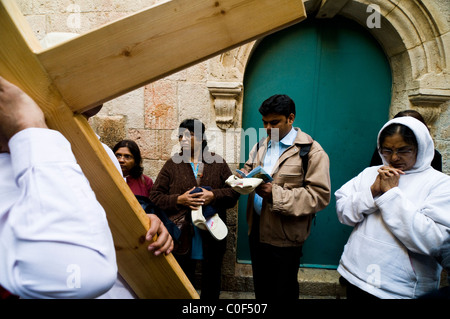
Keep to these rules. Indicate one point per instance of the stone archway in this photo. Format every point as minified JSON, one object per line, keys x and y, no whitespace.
{"x":413,"y":34}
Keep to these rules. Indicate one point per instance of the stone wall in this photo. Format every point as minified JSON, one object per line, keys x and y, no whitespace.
{"x":414,"y":35}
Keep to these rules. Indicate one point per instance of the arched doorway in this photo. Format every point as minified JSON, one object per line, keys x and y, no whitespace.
{"x":341,"y":82}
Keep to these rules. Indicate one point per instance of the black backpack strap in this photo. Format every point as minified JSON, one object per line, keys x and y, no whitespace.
{"x":304,"y":151}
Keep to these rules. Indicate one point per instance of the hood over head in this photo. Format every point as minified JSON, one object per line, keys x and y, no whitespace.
{"x":425,"y":151}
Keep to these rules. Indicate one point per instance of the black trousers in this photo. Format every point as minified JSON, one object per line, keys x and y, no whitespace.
{"x":355,"y":293}
{"x":275,"y":269}
{"x":211,"y":266}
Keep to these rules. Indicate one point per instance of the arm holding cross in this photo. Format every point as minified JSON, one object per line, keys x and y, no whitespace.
{"x":54,"y":237}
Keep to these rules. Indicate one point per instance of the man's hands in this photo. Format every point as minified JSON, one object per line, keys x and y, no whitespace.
{"x":264,"y":189}
{"x":388,"y":177}
{"x":193,"y":201}
{"x":17,"y":112}
{"x":164,"y":242}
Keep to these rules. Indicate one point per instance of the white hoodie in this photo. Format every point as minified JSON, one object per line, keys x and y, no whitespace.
{"x":388,"y":252}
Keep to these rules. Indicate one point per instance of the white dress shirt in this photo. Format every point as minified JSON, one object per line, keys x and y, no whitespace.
{"x":54,"y":237}
{"x":120,"y":290}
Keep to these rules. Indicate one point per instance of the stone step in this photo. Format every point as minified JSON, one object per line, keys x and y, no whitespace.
{"x":314,"y":283}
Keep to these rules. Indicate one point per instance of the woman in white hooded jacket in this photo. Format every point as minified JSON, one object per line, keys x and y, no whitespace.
{"x":400,"y":212}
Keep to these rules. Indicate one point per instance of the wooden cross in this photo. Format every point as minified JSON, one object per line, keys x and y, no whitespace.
{"x":112,"y":60}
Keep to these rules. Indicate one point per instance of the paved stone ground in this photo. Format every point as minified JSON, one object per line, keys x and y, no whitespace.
{"x":236,"y":295}
{"x":251,"y":295}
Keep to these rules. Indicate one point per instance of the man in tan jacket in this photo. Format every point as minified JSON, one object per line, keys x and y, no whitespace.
{"x":279,"y":213}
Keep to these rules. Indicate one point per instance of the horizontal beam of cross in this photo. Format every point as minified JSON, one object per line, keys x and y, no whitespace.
{"x":151,"y":44}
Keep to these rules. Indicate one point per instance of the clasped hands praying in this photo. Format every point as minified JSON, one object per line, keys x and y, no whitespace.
{"x":388,"y":177}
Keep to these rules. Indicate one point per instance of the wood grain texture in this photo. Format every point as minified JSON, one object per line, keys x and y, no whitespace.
{"x":154,"y":43}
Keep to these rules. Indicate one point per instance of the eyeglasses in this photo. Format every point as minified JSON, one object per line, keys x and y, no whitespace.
{"x":401,"y":152}
{"x":187,"y":135}
{"x":127,"y":157}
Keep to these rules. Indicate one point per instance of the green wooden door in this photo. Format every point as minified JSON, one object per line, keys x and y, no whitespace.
{"x":340,"y":80}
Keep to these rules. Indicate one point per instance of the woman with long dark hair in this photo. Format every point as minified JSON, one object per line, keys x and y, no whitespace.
{"x":129,"y":156}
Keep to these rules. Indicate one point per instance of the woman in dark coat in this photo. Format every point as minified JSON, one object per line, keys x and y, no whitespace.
{"x":196,"y":167}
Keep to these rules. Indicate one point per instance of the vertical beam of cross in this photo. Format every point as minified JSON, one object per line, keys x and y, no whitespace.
{"x":116,"y":59}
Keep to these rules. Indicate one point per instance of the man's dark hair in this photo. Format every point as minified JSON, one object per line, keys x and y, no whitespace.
{"x":279,"y":104}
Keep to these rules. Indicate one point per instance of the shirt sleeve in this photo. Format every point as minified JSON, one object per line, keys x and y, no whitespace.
{"x":224,"y":196}
{"x":421,"y":228}
{"x":113,"y":158}
{"x":55,"y":239}
{"x":161,"y":194}
{"x":354,"y":199}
